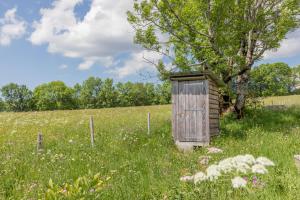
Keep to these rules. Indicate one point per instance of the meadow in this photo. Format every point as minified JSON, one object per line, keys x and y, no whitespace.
{"x":292,"y":100}
{"x":126,"y":163}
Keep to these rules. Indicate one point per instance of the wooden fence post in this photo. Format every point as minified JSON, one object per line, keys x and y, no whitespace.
{"x":92,"y":130}
{"x":39,"y":142}
{"x":148,"y":123}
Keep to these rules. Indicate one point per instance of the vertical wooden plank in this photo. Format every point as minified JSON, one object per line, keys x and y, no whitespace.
{"x":174,"y":109}
{"x":207,"y":111}
{"x":193,"y":113}
{"x":181,"y":113}
{"x":92,"y":130}
{"x":198,"y":115}
{"x":202,"y":104}
{"x":186,"y":110}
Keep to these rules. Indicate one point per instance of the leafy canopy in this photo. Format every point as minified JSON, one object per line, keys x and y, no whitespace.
{"x":225,"y":36}
{"x":17,"y":97}
{"x":54,"y":95}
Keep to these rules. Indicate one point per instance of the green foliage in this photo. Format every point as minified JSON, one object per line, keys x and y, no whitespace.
{"x":2,"y":105}
{"x":223,"y":36}
{"x":164,"y":94}
{"x":108,"y":94}
{"x":271,"y":80}
{"x":85,"y":187}
{"x":296,"y":79}
{"x":17,"y":97}
{"x":54,"y":96}
{"x":89,"y":93}
{"x":214,"y":33}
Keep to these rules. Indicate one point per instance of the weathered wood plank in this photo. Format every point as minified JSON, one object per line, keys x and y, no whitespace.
{"x":207,"y":135}
{"x":215,"y":97}
{"x":214,"y":111}
{"x":213,"y":121}
{"x":181,"y":112}
{"x":212,"y":92}
{"x":174,"y":109}
{"x":214,"y":89}
{"x":214,"y":126}
{"x":214,"y":101}
{"x":214,"y":116}
{"x":216,"y":106}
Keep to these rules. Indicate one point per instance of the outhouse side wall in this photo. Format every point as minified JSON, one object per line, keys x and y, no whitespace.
{"x":214,"y":109}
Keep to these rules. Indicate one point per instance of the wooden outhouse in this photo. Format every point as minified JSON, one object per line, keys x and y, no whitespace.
{"x":195,"y":108}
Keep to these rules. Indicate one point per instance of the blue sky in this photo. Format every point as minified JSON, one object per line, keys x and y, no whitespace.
{"x":70,"y":40}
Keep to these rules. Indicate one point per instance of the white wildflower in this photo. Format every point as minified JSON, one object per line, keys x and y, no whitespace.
{"x":187,"y":178}
{"x":204,"y":160}
{"x":259,"y":169}
{"x":71,"y":141}
{"x":249,"y":159}
{"x":242,"y":167}
{"x":226,"y":165}
{"x":213,"y":172}
{"x":214,"y":150}
{"x":264,"y":161}
{"x":238,"y":182}
{"x":198,"y":177}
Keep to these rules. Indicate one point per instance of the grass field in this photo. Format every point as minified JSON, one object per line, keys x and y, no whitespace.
{"x":133,"y":165}
{"x":283,"y":100}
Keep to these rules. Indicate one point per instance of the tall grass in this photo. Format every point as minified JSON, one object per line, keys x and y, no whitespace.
{"x":291,"y":100}
{"x":141,"y":166}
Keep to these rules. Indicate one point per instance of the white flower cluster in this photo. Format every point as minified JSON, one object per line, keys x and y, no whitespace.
{"x":238,"y":182}
{"x":241,"y":163}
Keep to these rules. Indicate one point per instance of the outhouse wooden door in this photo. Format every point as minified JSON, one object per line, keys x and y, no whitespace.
{"x":192,"y":111}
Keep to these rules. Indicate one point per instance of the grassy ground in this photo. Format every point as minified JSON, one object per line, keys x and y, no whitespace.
{"x":134,"y":165}
{"x":283,"y":100}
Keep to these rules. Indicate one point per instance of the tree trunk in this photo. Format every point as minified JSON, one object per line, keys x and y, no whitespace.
{"x":242,"y":91}
{"x":225,"y":102}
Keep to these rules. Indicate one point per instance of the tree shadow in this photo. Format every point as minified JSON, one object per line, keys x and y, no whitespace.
{"x":268,"y":120}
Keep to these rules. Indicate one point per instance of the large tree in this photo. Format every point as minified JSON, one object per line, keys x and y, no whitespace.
{"x":223,"y":36}
{"x":108,"y":95}
{"x":54,"y":96}
{"x":89,"y":93}
{"x":17,"y":97}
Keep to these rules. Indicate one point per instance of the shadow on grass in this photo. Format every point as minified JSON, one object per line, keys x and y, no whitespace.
{"x":267,"y":120}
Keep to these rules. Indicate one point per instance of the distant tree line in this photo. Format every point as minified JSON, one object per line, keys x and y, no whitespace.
{"x":274,"y":79}
{"x":91,"y":94}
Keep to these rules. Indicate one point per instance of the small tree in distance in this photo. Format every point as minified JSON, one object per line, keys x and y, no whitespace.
{"x":271,"y":80}
{"x":18,"y":98}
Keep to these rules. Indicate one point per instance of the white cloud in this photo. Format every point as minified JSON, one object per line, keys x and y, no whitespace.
{"x":11,"y":27}
{"x":99,"y":37}
{"x":289,"y":47}
{"x":137,"y":62}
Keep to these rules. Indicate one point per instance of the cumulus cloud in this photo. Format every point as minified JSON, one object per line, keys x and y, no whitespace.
{"x":11,"y":27}
{"x":289,"y":47}
{"x":137,"y":62}
{"x":101,"y":35}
